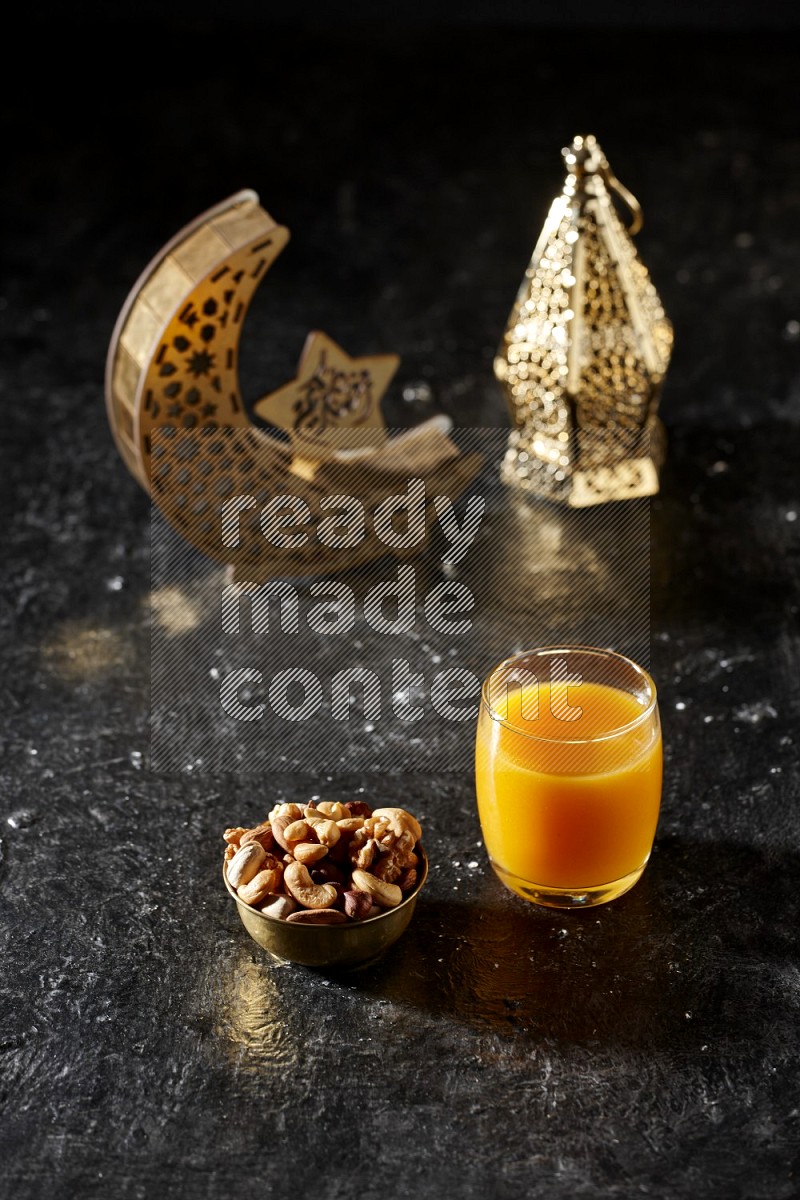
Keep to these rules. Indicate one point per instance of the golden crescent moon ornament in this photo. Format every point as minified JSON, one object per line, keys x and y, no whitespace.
{"x":175,"y":408}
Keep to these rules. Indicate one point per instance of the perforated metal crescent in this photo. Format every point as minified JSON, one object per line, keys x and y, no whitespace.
{"x":175,"y":407}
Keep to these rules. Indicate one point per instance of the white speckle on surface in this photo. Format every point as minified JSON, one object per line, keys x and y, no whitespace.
{"x":115,"y":584}
{"x":753,"y":714}
{"x":21,"y":818}
{"x":680,"y":705}
{"x":707,"y":719}
{"x":718,"y":468}
{"x":136,"y":759}
{"x":791,"y":515}
{"x":791,"y":331}
{"x":472,"y":866}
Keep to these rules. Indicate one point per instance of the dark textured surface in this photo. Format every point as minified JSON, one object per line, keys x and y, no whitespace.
{"x":647,"y":1048}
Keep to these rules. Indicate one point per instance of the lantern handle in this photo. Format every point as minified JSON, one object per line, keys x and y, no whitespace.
{"x":627,"y":198}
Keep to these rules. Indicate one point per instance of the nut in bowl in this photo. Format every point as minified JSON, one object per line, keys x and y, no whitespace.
{"x":326,"y":884}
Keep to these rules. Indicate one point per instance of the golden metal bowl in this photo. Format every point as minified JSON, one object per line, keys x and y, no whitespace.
{"x":331,"y":946}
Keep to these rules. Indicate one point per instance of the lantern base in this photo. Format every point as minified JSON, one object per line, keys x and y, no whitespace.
{"x":582,"y":487}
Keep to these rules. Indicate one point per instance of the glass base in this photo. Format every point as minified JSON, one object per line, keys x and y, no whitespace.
{"x":552,"y":897}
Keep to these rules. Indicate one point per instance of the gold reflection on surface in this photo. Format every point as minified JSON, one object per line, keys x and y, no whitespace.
{"x":79,"y":651}
{"x":253,"y":1023}
{"x":174,"y":611}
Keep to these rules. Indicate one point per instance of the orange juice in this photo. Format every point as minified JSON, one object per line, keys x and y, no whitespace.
{"x":569,"y":798}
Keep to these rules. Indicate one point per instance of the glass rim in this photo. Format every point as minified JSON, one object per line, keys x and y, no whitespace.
{"x":600,"y":652}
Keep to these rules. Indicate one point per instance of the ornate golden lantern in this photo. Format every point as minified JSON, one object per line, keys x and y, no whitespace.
{"x":586,"y":349}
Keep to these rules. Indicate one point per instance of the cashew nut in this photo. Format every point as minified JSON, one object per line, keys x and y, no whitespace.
{"x":328,"y":832}
{"x":388,"y":895}
{"x":334,"y":810}
{"x":267,"y":880}
{"x":309,"y":852}
{"x":311,"y":895}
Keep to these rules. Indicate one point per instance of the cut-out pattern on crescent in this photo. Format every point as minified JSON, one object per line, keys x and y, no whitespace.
{"x":175,"y":409}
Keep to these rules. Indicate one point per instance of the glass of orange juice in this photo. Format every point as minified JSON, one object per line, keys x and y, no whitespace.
{"x":568,"y":767}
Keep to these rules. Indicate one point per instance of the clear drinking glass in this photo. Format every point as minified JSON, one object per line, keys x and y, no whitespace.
{"x":568,"y":768}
